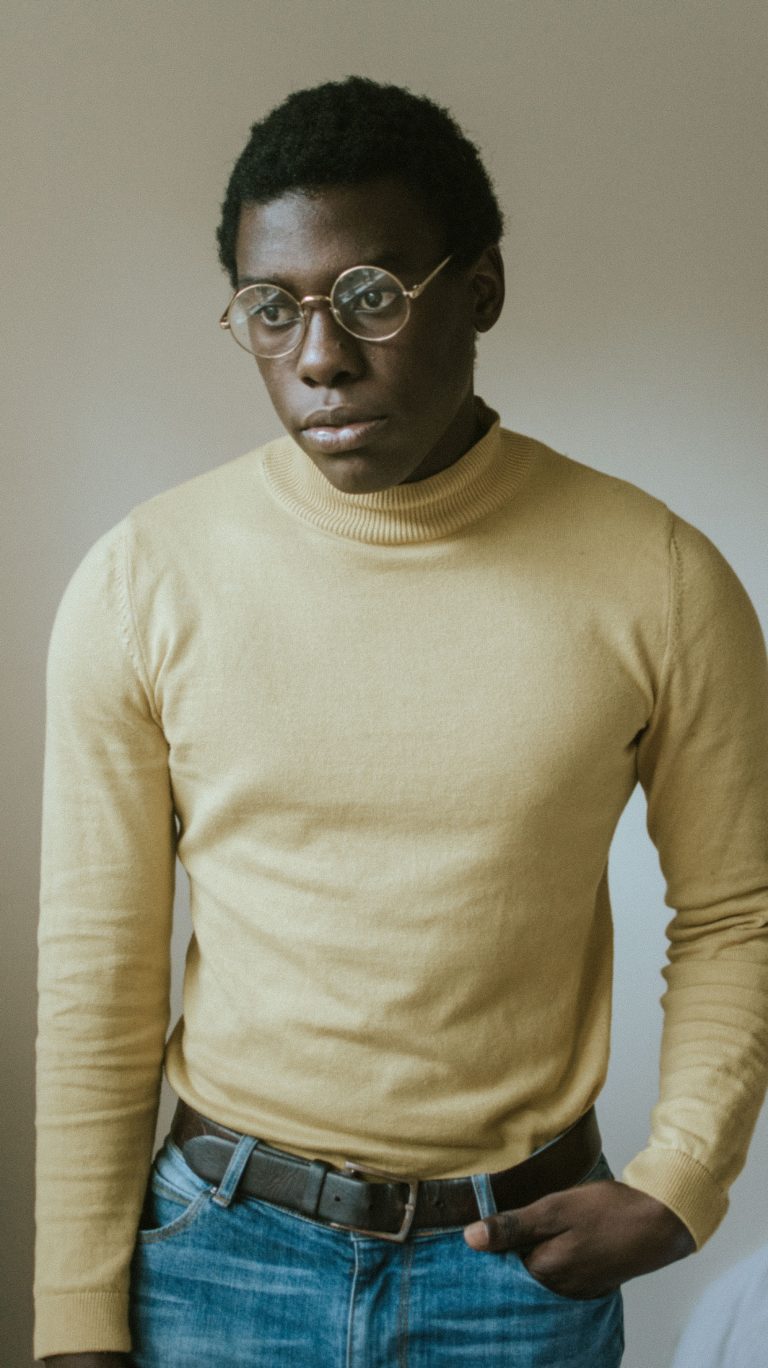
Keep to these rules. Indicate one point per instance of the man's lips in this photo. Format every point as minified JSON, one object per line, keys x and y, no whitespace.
{"x":338,"y":430}
{"x":340,"y":416}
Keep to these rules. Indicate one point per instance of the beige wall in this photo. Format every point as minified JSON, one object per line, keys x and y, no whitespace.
{"x":627,"y":141}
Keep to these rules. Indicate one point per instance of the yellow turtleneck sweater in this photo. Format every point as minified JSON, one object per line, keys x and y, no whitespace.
{"x":389,"y":737}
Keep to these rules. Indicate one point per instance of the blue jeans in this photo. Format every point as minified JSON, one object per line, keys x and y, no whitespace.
{"x":224,"y":1281}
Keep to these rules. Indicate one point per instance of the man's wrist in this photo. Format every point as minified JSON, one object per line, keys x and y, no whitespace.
{"x":675,"y":1233}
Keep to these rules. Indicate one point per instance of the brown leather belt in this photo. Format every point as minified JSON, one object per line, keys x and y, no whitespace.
{"x":389,"y":1209}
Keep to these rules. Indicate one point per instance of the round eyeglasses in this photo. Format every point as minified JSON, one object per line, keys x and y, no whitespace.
{"x":368,"y":302}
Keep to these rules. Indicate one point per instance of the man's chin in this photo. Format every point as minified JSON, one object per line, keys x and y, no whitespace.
{"x":356,"y":472}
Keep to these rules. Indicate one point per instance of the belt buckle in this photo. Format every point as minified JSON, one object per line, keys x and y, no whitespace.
{"x":400,"y":1235}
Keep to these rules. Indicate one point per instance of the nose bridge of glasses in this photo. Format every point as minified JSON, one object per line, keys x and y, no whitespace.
{"x":314,"y":299}
{"x":308,"y":303}
{"x":313,"y":334}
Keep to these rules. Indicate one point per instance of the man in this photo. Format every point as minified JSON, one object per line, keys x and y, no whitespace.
{"x":385,"y":686}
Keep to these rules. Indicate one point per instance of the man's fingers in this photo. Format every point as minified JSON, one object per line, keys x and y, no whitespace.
{"x":519,"y":1229}
{"x":587,"y":1240}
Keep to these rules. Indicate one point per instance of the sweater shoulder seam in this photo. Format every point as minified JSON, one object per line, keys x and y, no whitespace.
{"x":674,"y":604}
{"x":129,"y":624}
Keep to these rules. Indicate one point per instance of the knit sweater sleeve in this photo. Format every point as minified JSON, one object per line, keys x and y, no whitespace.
{"x":703,"y":764}
{"x":107,"y":879}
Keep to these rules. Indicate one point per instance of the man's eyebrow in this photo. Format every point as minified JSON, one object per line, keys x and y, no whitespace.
{"x":262,"y":280}
{"x":388,"y":261}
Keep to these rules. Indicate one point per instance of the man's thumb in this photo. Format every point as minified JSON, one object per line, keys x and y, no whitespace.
{"x":518,"y":1230}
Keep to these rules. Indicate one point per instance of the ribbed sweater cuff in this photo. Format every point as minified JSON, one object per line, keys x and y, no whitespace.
{"x":73,"y":1322}
{"x":682,"y":1184}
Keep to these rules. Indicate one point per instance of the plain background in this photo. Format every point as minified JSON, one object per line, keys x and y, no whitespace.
{"x":627,"y":145}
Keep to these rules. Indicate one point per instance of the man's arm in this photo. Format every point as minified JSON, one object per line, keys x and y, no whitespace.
{"x":703,"y":764}
{"x":108,"y":859}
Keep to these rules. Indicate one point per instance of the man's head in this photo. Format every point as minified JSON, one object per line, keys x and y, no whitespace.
{"x":356,"y":173}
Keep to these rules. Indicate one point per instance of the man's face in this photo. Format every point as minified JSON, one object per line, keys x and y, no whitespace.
{"x":402,"y":409}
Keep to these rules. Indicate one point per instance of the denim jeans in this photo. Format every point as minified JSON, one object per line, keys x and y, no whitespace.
{"x":220,"y":1280}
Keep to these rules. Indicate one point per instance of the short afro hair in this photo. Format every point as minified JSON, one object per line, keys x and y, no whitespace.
{"x":351,"y":131}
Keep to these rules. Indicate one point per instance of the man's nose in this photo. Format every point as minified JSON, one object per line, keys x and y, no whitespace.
{"x":328,"y":353}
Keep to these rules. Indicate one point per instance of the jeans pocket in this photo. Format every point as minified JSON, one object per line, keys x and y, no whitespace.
{"x":174,"y":1197}
{"x":591,"y":1327}
{"x":560,"y":1296}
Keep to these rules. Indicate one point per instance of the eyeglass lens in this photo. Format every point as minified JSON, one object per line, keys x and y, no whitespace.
{"x":368,"y":302}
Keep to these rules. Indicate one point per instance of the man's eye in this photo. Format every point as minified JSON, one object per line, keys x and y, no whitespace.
{"x":273,"y":315}
{"x":374,"y":301}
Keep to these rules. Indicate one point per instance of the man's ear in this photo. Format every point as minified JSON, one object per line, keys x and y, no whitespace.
{"x":487,"y":282}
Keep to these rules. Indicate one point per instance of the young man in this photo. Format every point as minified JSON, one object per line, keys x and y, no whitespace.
{"x":385,"y":686}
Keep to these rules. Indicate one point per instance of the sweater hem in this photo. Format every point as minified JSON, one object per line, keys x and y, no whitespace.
{"x":681,"y":1183}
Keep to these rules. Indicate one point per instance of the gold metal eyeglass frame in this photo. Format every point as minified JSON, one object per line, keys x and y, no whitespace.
{"x":328,"y":299}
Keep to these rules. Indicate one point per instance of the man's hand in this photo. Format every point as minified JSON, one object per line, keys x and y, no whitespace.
{"x":586,"y":1241}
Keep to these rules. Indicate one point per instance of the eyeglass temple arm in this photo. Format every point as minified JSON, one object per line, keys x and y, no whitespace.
{"x":224,"y":320}
{"x":417,"y":289}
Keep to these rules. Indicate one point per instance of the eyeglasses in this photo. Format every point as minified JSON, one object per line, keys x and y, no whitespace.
{"x":367,"y":302}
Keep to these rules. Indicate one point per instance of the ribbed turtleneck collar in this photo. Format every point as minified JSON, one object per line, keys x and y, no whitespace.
{"x":478,"y":483}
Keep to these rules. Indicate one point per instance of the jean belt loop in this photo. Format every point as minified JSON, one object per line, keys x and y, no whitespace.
{"x":234,"y":1170}
{"x":486,"y":1202}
